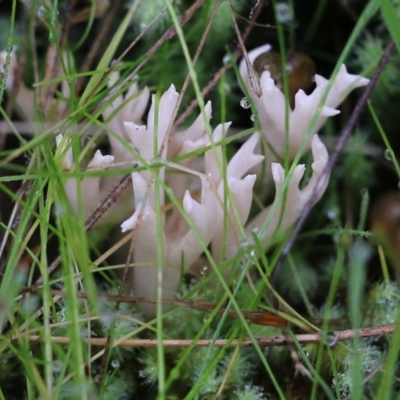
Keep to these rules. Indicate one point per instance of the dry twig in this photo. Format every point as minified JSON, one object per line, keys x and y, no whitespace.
{"x":270,"y":341}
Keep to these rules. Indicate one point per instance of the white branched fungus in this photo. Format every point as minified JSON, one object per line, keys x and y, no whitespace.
{"x":215,"y":211}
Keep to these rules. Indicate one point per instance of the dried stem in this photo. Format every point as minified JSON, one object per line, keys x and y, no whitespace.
{"x":269,"y":341}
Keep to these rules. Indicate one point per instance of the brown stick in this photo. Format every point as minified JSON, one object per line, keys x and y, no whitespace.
{"x":270,"y":341}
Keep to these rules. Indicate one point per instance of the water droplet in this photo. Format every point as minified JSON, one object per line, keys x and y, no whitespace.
{"x":115,"y":363}
{"x":283,"y":12}
{"x":204,"y":270}
{"x":42,"y":11}
{"x":244,"y":243}
{"x":227,"y":59}
{"x":27,"y":158}
{"x":289,"y":68}
{"x":388,"y":155}
{"x":332,"y":213}
{"x":253,"y":117}
{"x":330,"y":338}
{"x":206,"y":319}
{"x":244,"y":103}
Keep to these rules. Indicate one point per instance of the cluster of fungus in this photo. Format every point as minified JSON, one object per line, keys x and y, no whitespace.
{"x":213,"y":201}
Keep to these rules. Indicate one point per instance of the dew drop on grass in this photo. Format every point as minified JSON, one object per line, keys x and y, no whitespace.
{"x":331,"y":213}
{"x":330,"y":339}
{"x":227,"y":59}
{"x":203,"y":270}
{"x":244,"y":244}
{"x":206,"y":319}
{"x":42,"y":12}
{"x":283,"y":12}
{"x":115,"y":363}
{"x":388,"y":155}
{"x":254,"y":229}
{"x":289,"y":68}
{"x":253,"y":117}
{"x":244,"y":103}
